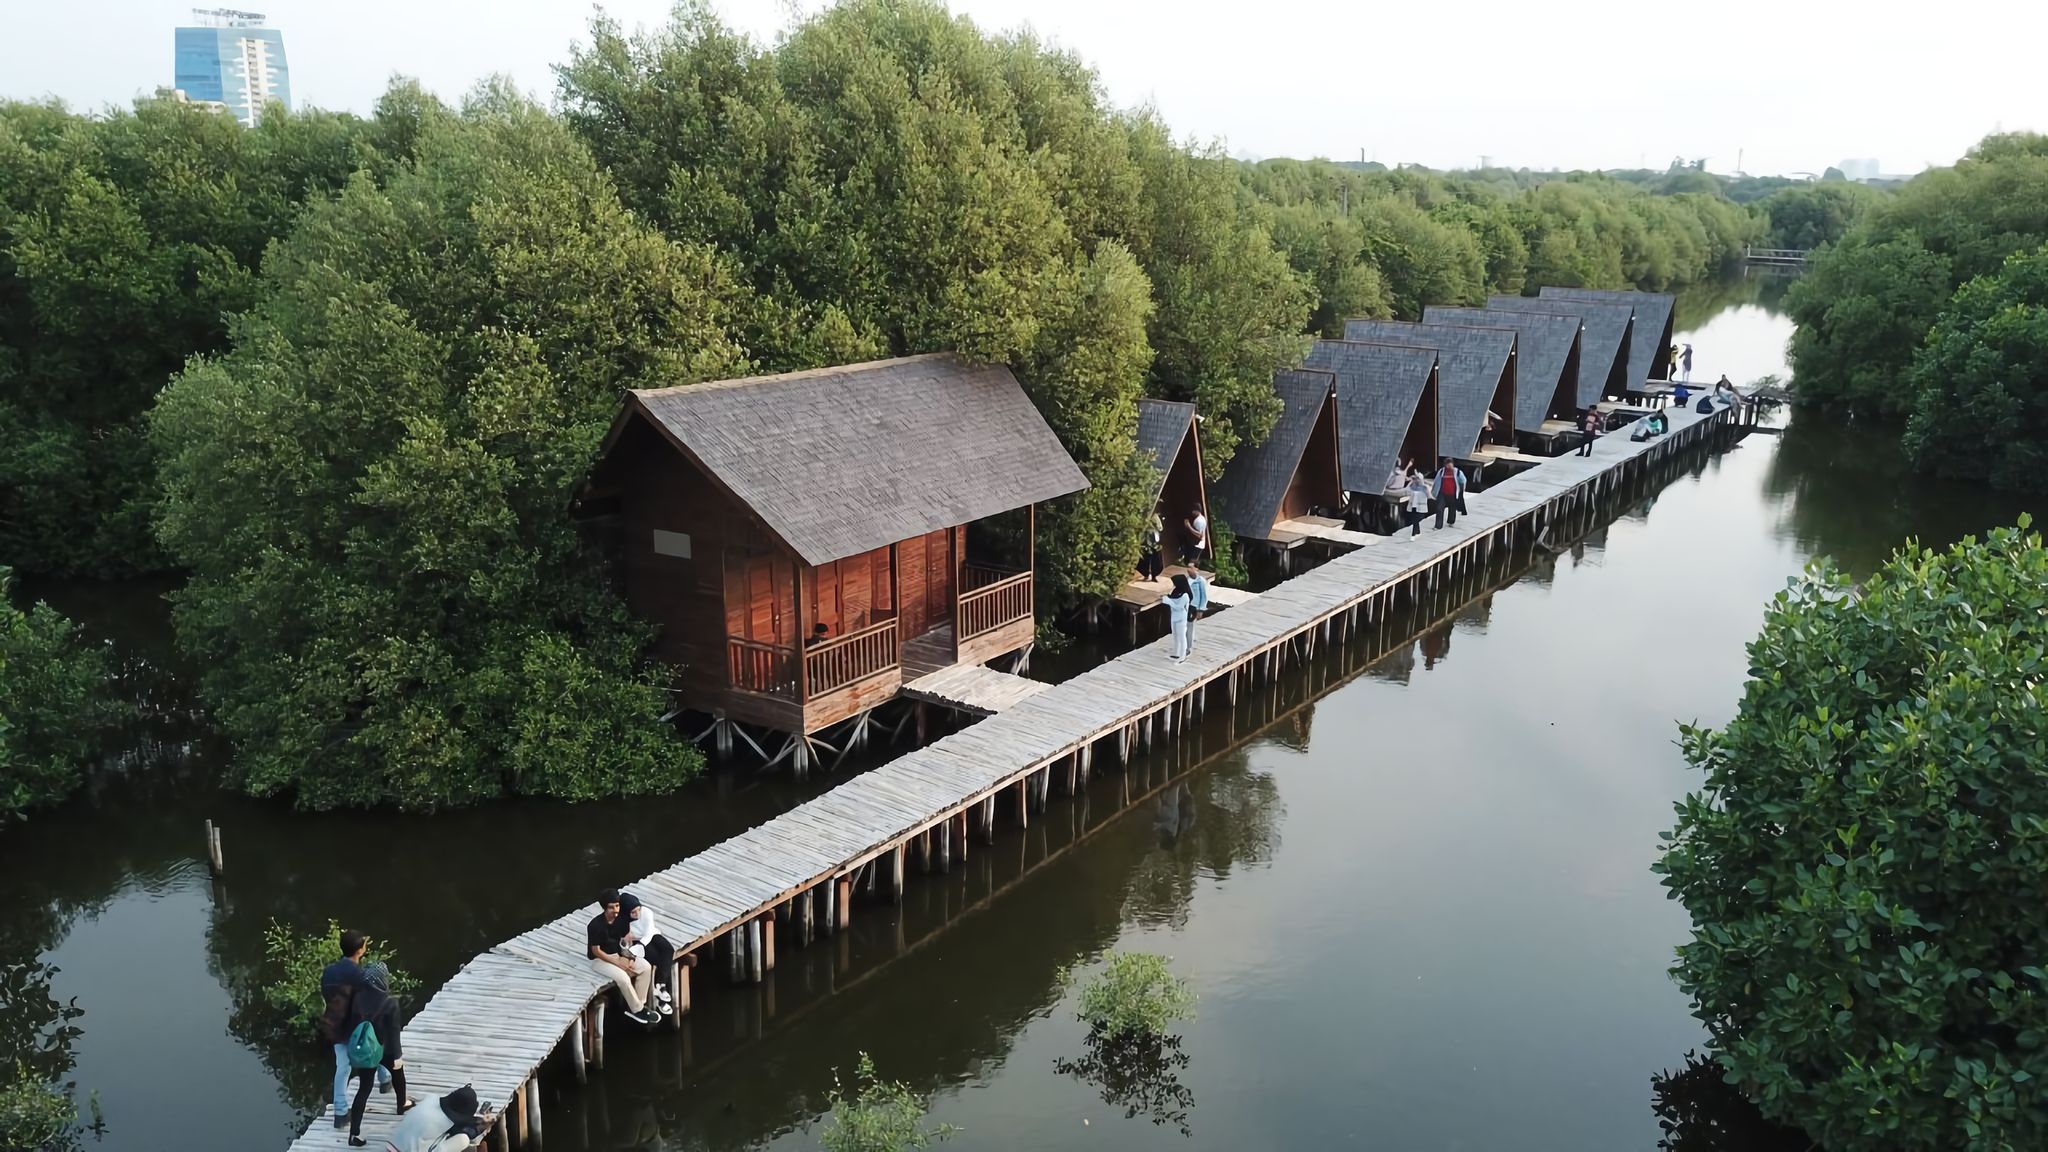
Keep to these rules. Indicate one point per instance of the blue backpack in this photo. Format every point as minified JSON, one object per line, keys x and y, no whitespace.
{"x":1705,"y":405}
{"x":364,"y":1049}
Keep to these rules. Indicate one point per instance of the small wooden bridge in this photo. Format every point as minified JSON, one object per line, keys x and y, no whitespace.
{"x":1777,"y":257}
{"x":495,"y":1022}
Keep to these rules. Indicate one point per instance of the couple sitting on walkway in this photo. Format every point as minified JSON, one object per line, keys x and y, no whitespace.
{"x":625,"y":945}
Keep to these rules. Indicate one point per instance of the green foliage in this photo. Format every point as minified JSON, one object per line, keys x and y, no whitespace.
{"x":1806,"y":216}
{"x":54,"y":703}
{"x":1866,"y":305}
{"x":370,"y":490}
{"x":294,"y":961}
{"x":1866,"y":865}
{"x":880,"y":1116}
{"x":1230,"y":570}
{"x":1134,"y":994}
{"x":1980,"y":385}
{"x":36,"y":1116}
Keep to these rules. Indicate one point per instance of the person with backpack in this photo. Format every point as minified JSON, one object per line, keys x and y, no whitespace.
{"x":1449,"y":490}
{"x":450,"y":1124}
{"x":338,"y":982}
{"x":374,"y":1046}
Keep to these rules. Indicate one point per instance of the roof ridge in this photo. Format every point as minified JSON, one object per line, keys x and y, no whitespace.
{"x":800,"y":374}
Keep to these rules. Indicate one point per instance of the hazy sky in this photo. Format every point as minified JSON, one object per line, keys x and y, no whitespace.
{"x":1786,"y":85}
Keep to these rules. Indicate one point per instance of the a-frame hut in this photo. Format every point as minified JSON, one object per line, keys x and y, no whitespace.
{"x":1475,"y":379}
{"x":1546,"y":359}
{"x":801,"y":541}
{"x":1295,"y":470}
{"x":1603,"y":346}
{"x":1387,"y":407}
{"x":1649,"y":349}
{"x":1168,"y":440}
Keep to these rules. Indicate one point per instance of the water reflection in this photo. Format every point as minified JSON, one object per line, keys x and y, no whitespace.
{"x":1139,"y":1074}
{"x":1698,"y":1111}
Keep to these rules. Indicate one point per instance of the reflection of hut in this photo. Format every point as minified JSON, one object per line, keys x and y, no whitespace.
{"x":1649,"y":349}
{"x":801,"y":540}
{"x":1167,"y":440}
{"x":1546,"y":360}
{"x":1295,"y":470}
{"x":1386,"y":407}
{"x":1475,"y":379}
{"x":1603,"y":346}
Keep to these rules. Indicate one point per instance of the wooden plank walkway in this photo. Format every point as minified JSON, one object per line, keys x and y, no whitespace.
{"x":1324,"y":528}
{"x":495,"y":1022}
{"x":974,"y":688}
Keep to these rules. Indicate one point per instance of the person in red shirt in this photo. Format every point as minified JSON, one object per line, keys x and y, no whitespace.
{"x":1450,"y":491}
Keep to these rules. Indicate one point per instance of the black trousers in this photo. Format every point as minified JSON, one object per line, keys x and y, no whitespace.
{"x":365,"y":1077}
{"x":661,"y":955}
{"x":1151,"y":564}
{"x":1413,"y":519}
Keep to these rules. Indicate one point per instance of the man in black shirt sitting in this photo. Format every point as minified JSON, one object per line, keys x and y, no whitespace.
{"x":609,"y":958}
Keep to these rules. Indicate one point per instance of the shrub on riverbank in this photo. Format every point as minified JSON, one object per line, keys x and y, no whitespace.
{"x":53,"y":705}
{"x":879,"y":1116}
{"x":1135,"y":994}
{"x":295,"y":959}
{"x":1866,"y":866}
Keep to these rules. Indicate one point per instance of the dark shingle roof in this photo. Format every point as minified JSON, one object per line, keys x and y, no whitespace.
{"x":1600,"y":346}
{"x":1378,"y":386}
{"x":840,"y":461}
{"x":1162,"y":429}
{"x":1469,"y":366}
{"x":1255,"y":481}
{"x":1543,"y":347}
{"x":1651,"y":337}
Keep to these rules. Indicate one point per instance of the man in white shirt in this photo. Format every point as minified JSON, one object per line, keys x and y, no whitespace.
{"x":1198,"y":538}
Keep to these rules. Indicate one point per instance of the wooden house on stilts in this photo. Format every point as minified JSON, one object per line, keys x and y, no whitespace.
{"x":807,"y":543}
{"x":1475,"y":385}
{"x":1650,"y":333}
{"x":1387,"y":408}
{"x":1295,"y":470}
{"x":1168,"y":440}
{"x":1603,"y":344}
{"x":1546,"y":365}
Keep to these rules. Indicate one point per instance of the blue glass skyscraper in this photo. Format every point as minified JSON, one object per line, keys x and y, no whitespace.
{"x":230,"y":59}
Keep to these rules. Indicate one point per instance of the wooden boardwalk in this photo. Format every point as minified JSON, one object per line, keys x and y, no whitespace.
{"x":974,"y":688}
{"x":508,"y":1009}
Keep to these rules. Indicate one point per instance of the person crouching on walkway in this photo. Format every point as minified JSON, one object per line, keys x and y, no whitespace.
{"x":449,"y":1124}
{"x":375,"y":1006}
{"x":608,"y":958}
{"x":1179,"y":603}
{"x":644,"y":941}
{"x":1418,"y":502}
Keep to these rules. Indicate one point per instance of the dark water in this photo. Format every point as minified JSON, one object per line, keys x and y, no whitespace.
{"x":1413,"y":894}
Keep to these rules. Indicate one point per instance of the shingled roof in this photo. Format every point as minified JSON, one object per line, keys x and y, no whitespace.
{"x":1543,"y":348}
{"x":1162,"y":428}
{"x":1378,"y":386}
{"x":1255,"y":482}
{"x":1469,"y":366}
{"x":1649,"y":347}
{"x":840,"y":461}
{"x":1601,"y":346}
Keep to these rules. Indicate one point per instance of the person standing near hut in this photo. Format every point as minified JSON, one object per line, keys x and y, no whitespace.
{"x":1150,"y":562}
{"x":1178,"y":603}
{"x":644,"y":940}
{"x":1197,"y":541}
{"x":1418,"y":502}
{"x":1685,"y":359}
{"x":1589,"y":424}
{"x":1198,"y":602}
{"x":1449,"y":490}
{"x":608,"y":958}
{"x":375,"y":1006}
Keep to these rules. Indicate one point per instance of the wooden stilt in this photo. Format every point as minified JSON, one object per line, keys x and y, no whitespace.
{"x":768,"y":943}
{"x":576,"y":1040}
{"x":754,"y":951}
{"x":845,"y":916}
{"x":804,"y":908}
{"x":1023,"y":806}
{"x":597,"y":1033}
{"x":898,"y":858}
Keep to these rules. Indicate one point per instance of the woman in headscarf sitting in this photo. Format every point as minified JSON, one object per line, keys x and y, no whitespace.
{"x":449,"y":1124}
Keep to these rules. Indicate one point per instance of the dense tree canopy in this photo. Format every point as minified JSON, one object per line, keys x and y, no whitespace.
{"x":1867,"y":861}
{"x":1980,"y":384}
{"x":371,"y":488}
{"x":1868,"y":303}
{"x":54,"y":699}
{"x":1806,"y":216}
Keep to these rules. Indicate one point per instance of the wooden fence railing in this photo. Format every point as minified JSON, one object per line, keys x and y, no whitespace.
{"x":973,"y":576}
{"x":988,"y":607}
{"x":757,"y":667}
{"x":855,"y":656}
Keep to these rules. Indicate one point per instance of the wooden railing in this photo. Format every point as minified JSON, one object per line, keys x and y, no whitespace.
{"x":988,"y":607}
{"x":973,"y":576}
{"x":855,"y":656}
{"x":757,"y":667}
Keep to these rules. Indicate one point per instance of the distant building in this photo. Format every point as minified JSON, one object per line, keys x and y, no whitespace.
{"x":184,"y":97}
{"x":229,"y":58}
{"x":1858,"y":169}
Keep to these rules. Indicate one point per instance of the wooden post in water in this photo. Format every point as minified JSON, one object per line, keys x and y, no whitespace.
{"x":755,"y":952}
{"x":831,"y":925}
{"x":515,"y":1118}
{"x":533,"y":1113}
{"x":597,"y":1032}
{"x":768,"y":943}
{"x":679,"y":987}
{"x":576,"y":1033}
{"x":736,"y":954}
{"x":845,"y":911}
{"x":898,"y":861}
{"x":213,"y":856}
{"x":803,"y":917}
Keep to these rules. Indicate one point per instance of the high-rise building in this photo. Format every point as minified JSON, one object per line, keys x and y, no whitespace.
{"x":230,"y":58}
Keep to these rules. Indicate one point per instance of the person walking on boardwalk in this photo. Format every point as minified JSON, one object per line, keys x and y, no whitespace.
{"x":1685,"y":364}
{"x":1178,"y":603}
{"x":1589,"y":424}
{"x":1197,"y":541}
{"x":644,"y":941}
{"x":449,"y":1124}
{"x":1449,"y":490}
{"x":1418,"y":502}
{"x":1198,"y":602}
{"x":1150,"y":562}
{"x":380,"y":1051}
{"x":608,"y":958}
{"x":338,"y":982}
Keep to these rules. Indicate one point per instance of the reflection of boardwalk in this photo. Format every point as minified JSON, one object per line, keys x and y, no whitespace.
{"x":495,"y":1021}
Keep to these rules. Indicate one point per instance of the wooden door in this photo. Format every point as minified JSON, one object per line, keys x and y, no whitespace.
{"x":757,"y":599}
{"x":914,"y":618}
{"x":938,"y":579}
